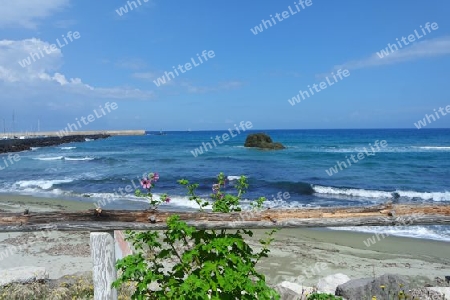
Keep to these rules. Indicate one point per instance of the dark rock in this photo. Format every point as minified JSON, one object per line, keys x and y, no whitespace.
{"x":366,"y":288}
{"x":16,"y":145}
{"x":262,"y":141}
{"x":395,"y":195}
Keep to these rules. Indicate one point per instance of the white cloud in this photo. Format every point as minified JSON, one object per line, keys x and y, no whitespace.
{"x":13,"y":52}
{"x":42,"y":73}
{"x":423,"y":49}
{"x":27,"y":13}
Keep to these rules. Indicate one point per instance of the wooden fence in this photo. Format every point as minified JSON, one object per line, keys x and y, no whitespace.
{"x":102,"y":224}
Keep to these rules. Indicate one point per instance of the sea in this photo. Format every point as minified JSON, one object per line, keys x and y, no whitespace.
{"x":410,"y":166}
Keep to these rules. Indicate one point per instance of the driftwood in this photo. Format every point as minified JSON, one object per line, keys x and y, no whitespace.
{"x":102,"y":220}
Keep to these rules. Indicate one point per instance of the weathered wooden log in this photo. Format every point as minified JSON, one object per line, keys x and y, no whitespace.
{"x":103,"y":260}
{"x":96,"y":220}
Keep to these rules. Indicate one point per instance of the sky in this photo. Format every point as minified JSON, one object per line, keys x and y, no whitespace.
{"x":116,"y":54}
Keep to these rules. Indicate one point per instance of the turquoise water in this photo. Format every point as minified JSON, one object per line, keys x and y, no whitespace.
{"x":414,"y":166}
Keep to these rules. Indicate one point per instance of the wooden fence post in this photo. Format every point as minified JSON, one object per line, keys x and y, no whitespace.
{"x":103,"y":260}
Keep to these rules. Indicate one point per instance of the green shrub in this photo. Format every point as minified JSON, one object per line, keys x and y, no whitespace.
{"x":207,"y":264}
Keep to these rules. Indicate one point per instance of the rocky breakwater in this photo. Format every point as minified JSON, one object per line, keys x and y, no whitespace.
{"x":17,"y":145}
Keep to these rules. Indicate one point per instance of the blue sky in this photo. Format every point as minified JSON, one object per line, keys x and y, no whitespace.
{"x":250,"y":78}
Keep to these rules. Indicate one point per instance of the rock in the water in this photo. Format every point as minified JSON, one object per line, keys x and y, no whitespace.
{"x":366,"y":288}
{"x":22,"y":275}
{"x":330,"y":283}
{"x":263,"y":141}
{"x":293,"y":291}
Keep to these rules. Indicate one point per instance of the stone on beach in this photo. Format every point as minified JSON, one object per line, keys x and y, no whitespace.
{"x":430,"y":293}
{"x":441,"y":290}
{"x":380,"y":286}
{"x":329,"y":283}
{"x":357,"y":288}
{"x":293,"y":291}
{"x":22,"y":275}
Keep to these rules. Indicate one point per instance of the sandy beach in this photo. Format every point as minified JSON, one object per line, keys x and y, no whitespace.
{"x":306,"y":255}
{"x":297,"y":255}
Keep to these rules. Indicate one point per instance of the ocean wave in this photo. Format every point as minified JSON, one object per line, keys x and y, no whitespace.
{"x":34,"y":148}
{"x":49,"y":158}
{"x":301,"y":188}
{"x":434,"y":148}
{"x":277,"y":204}
{"x":232,"y":177}
{"x":40,"y":184}
{"x":79,"y":158}
{"x":86,"y":158}
{"x":388,"y":149}
{"x":103,"y":199}
{"x":421,"y":232}
{"x":352,"y":192}
{"x":67,"y":148}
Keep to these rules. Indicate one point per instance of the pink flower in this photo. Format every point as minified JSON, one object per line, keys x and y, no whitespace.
{"x":167,"y":200}
{"x":146,"y":184}
{"x":153,"y":177}
{"x":216,"y":187}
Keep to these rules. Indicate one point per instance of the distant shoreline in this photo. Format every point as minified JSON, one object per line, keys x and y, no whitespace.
{"x":42,"y":134}
{"x":17,"y":142}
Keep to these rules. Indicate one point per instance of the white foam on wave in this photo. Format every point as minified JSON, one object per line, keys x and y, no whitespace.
{"x":232,"y":177}
{"x":180,"y":201}
{"x":67,"y":148}
{"x":276,"y":204}
{"x":34,"y":148}
{"x":183,"y":201}
{"x":328,"y":190}
{"x":79,"y":158}
{"x":86,"y":158}
{"x":434,"y":148}
{"x":436,"y":196}
{"x":49,"y":158}
{"x":405,"y":231}
{"x":40,"y":184}
{"x":349,"y":192}
{"x":402,"y":149}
